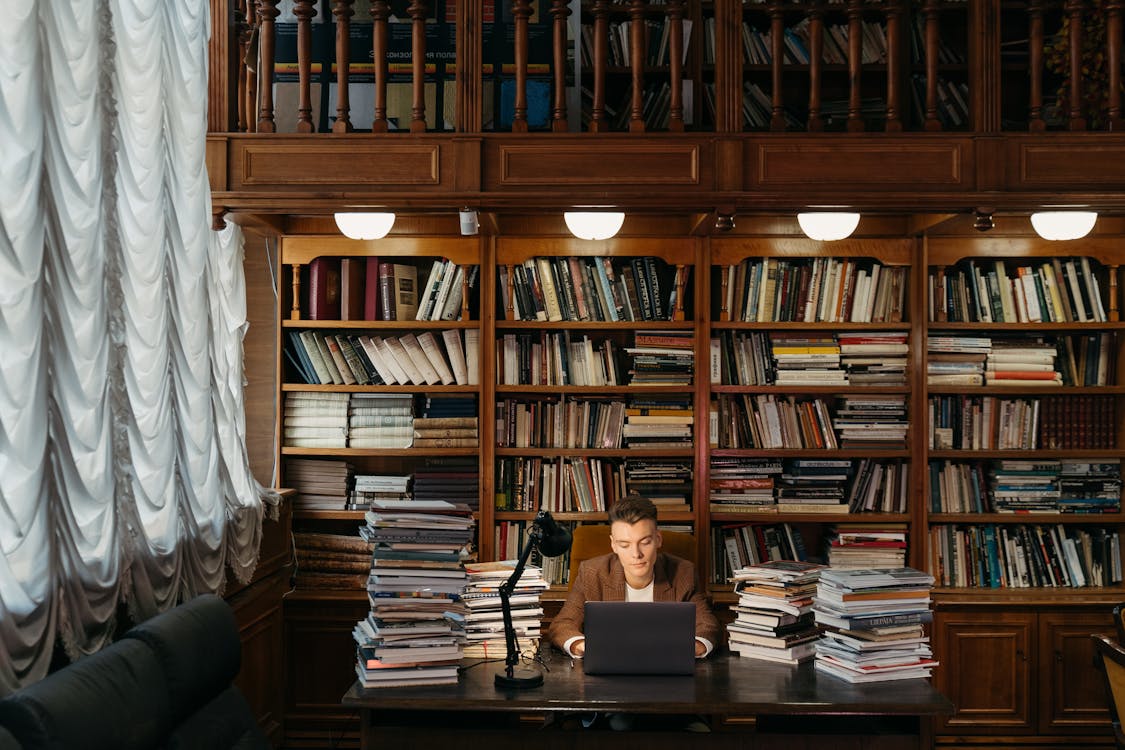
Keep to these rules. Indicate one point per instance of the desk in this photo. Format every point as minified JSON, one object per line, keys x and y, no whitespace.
{"x":753,"y":704}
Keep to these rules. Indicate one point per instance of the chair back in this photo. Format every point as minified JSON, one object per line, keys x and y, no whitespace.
{"x":591,"y":540}
{"x":1119,"y":621}
{"x":1110,"y":657}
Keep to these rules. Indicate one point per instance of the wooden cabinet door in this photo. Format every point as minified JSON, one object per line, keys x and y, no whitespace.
{"x":1071,"y":692}
{"x":986,"y":670}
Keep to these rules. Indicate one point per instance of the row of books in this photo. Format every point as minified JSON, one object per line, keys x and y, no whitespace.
{"x":845,"y":358}
{"x":872,"y":544}
{"x":1025,"y":556}
{"x":768,"y":421}
{"x":1055,"y":290}
{"x":1048,"y":422}
{"x":591,"y":423}
{"x":558,"y":358}
{"x":1025,"y":486}
{"x":590,"y":484}
{"x":591,"y":289}
{"x":342,"y":358}
{"x":330,"y":561}
{"x":378,"y":420}
{"x":814,"y":290}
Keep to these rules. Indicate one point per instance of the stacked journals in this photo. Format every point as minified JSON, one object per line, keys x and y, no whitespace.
{"x":873,"y":622}
{"x":774,"y":617}
{"x":807,"y":360}
{"x":662,"y":358}
{"x":484,"y":621}
{"x":380,"y":420}
{"x":447,"y":421}
{"x":315,"y":420}
{"x":813,"y":485}
{"x":321,"y":484}
{"x":956,"y":360}
{"x":874,"y":357}
{"x":1021,"y":362}
{"x":743,"y":485}
{"x":371,"y":488}
{"x":414,"y":633}
{"x":656,"y":423}
{"x":867,"y":545}
{"x":331,"y":561}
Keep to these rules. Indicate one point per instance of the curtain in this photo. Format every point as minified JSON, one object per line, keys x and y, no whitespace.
{"x":124,"y":475}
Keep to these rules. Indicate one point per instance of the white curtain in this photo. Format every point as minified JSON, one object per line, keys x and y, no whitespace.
{"x":123,"y":470}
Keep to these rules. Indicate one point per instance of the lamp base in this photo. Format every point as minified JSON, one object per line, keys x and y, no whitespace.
{"x":519,"y":679}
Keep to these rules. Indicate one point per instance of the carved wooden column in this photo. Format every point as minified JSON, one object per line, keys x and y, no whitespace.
{"x":560,"y":11}
{"x":598,"y":123}
{"x":521,"y":11}
{"x":676,"y":64}
{"x":1074,"y":38}
{"x":267,"y":13}
{"x":304,"y":10}
{"x":295,"y":310}
{"x":855,"y":65}
{"x":816,"y":65}
{"x":469,"y":54}
{"x":777,"y":59}
{"x":1035,"y":121}
{"x":1113,"y":314}
{"x":1114,"y":38}
{"x":380,"y":12}
{"x":637,"y":49}
{"x":930,"y":18}
{"x":894,"y":67}
{"x":417,"y":11}
{"x":728,"y":66}
{"x":342,"y":10}
{"x":243,"y":16}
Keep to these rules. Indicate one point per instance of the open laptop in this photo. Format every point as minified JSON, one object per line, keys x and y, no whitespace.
{"x":639,"y":638}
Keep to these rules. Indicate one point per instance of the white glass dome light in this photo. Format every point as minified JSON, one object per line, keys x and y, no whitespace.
{"x":827,"y":226}
{"x":360,"y":225}
{"x":1063,"y":225}
{"x":594,"y":225}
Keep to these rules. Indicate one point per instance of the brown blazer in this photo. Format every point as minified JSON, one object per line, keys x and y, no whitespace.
{"x":603,"y":579}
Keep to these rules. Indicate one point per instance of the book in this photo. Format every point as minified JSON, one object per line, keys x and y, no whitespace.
{"x":371,"y":289}
{"x":324,"y":289}
{"x":353,"y":274}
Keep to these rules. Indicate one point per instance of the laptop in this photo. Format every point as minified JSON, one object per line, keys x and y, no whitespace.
{"x":639,"y":638}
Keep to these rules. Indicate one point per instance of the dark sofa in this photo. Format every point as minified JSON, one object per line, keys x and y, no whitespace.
{"x":167,"y":683}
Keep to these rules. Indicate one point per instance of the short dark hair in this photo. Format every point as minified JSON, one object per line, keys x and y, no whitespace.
{"x":631,"y":509}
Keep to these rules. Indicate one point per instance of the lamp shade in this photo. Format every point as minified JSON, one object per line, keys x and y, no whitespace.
{"x":1063,"y":225}
{"x":594,"y":225}
{"x":365,"y":225}
{"x":828,"y":225}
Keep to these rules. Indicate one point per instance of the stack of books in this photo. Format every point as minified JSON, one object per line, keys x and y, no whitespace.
{"x":656,"y":423}
{"x":1022,"y":362}
{"x":380,"y":420}
{"x":867,"y":545}
{"x":874,"y":357}
{"x":956,"y":359}
{"x":452,"y":478}
{"x":331,"y":561}
{"x":315,"y":420}
{"x":813,"y":485}
{"x":371,"y":488}
{"x":662,"y":358}
{"x":743,"y":485}
{"x":666,"y":482}
{"x":321,"y":484}
{"x":415,"y":631}
{"x":807,"y":360}
{"x":484,"y":620}
{"x":774,"y":618}
{"x":873,"y":620}
{"x":873,"y":421}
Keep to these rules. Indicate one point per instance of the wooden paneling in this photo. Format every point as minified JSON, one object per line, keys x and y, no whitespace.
{"x":261,"y":679}
{"x":570,"y":163}
{"x":260,"y":355}
{"x":890,"y":163}
{"x":1091,"y":162}
{"x":1072,"y":693}
{"x":380,"y":164}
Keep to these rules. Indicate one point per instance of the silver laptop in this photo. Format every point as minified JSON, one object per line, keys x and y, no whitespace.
{"x":639,"y":638}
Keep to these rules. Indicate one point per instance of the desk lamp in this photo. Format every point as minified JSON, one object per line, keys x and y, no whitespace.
{"x":552,"y":541}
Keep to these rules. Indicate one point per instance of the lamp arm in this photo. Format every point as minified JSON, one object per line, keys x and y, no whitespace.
{"x":506,"y":590}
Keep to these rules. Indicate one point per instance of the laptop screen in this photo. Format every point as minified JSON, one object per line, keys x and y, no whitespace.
{"x":639,"y":638}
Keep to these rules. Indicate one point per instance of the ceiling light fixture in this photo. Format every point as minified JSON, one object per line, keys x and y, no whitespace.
{"x":1063,"y":225}
{"x":360,"y":225}
{"x":594,"y":225}
{"x":827,"y":226}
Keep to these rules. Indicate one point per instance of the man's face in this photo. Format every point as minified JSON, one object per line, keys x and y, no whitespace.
{"x":635,"y":545}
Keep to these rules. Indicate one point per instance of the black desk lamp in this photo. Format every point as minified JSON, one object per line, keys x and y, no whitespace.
{"x":552,"y":541}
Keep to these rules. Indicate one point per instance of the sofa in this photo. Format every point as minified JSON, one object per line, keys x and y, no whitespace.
{"x":167,"y":683}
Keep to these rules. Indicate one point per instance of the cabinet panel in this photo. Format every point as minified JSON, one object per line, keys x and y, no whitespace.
{"x":1072,"y":696}
{"x":985,"y":670}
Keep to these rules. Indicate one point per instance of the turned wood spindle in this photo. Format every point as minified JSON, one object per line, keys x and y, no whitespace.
{"x":417,"y":11}
{"x":855,"y":65}
{"x":933,"y":39}
{"x":598,"y":122}
{"x":1074,"y":37}
{"x":676,"y":64}
{"x":380,"y":13}
{"x":777,"y":60}
{"x":521,"y":12}
{"x":560,"y":12}
{"x":637,"y":49}
{"x":267,"y":13}
{"x":342,"y":10}
{"x":244,"y":27}
{"x":1035,"y":121}
{"x":1114,"y":39}
{"x":295,"y":311}
{"x":1114,"y":311}
{"x":510,"y":307}
{"x":815,"y":122}
{"x":304,"y":10}
{"x":724,"y":286}
{"x":681,"y":282}
{"x":894,"y":69}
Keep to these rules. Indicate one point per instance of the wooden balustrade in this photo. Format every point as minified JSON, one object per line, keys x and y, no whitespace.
{"x":255,"y":31}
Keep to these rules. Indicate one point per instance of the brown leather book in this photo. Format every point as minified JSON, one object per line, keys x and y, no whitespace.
{"x":352,"y":286}
{"x":324,"y":289}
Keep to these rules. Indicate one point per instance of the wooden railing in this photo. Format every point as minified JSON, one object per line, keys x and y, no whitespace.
{"x":1064,"y":38}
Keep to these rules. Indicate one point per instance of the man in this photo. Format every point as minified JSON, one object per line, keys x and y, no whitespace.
{"x":635,"y":571}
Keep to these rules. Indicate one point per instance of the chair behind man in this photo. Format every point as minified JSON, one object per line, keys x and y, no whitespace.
{"x":591,"y":540}
{"x":1110,"y":657}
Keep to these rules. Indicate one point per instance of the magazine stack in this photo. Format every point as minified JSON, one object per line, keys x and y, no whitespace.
{"x":774,"y":615}
{"x":415,"y":631}
{"x":873,"y":621}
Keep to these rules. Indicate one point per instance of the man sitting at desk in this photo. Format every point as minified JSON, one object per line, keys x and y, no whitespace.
{"x":635,"y":571}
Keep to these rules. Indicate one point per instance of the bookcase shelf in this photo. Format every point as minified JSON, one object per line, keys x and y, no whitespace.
{"x":810,"y":389}
{"x":307,"y":388}
{"x":1095,"y":453}
{"x":599,"y":452}
{"x":1084,"y":519}
{"x":382,"y":452}
{"x":396,"y":325}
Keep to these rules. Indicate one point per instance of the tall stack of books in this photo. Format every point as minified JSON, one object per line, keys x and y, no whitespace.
{"x":315,"y":420}
{"x":774,"y":618}
{"x":452,"y":478}
{"x":658,"y":423}
{"x":807,"y":360}
{"x":867,"y":545}
{"x":874,"y":357}
{"x":743,"y":485}
{"x":1090,"y":485}
{"x":321,"y":484}
{"x":662,"y":358}
{"x":415,"y":631}
{"x":1022,"y":362}
{"x":484,"y":620}
{"x":331,"y":561}
{"x":813,"y":485}
{"x":873,"y":621}
{"x":956,"y":360}
{"x":872,"y":421}
{"x":666,"y":482}
{"x":380,"y":420}
{"x":369,"y":489}
{"x":447,"y":421}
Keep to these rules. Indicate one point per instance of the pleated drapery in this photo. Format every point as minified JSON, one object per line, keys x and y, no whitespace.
{"x":123,"y":468}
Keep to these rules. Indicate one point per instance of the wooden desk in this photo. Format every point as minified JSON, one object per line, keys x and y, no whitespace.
{"x":752,"y":704}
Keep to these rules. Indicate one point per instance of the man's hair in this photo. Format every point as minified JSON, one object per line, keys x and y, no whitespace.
{"x":631,"y":509}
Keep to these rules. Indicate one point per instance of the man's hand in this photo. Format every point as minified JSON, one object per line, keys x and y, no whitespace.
{"x":578,"y":647}
{"x":700,"y":649}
